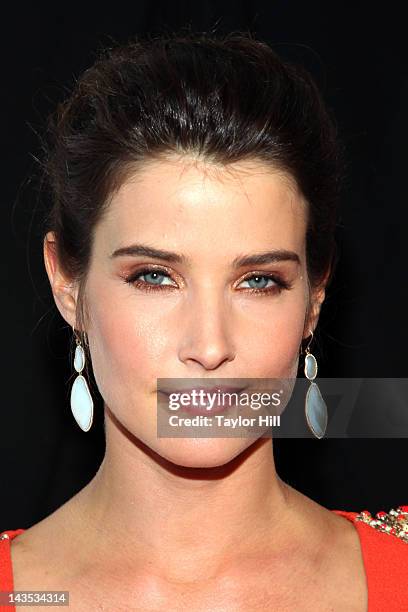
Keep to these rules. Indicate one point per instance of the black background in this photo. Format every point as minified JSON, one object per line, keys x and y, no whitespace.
{"x":358,"y":56}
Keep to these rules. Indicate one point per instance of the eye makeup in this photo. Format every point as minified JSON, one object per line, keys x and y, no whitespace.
{"x":135,"y":280}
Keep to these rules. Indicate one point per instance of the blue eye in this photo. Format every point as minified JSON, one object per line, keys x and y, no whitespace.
{"x":153,"y":280}
{"x":156,"y":277}
{"x":262,"y":281}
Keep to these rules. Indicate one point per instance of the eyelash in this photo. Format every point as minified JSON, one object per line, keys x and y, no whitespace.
{"x":145,"y":286}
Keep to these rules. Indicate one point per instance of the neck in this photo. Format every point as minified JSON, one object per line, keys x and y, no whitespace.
{"x":193,"y":519}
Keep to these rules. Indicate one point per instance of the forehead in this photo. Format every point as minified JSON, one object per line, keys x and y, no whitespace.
{"x":184,"y":200}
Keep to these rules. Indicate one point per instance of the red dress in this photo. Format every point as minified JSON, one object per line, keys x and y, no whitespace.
{"x":384,"y":545}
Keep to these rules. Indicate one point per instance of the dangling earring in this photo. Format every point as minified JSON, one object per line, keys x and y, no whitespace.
{"x":81,"y":399}
{"x":315,"y":406}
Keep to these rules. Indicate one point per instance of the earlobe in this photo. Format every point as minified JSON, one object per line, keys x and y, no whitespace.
{"x":64,"y":292}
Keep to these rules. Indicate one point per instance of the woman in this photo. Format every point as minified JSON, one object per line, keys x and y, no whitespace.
{"x":195,"y":183}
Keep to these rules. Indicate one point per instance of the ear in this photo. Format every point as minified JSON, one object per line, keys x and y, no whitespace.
{"x":317,"y":298}
{"x":64,"y":291}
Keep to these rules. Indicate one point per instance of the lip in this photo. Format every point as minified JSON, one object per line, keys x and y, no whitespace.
{"x":202,"y":409}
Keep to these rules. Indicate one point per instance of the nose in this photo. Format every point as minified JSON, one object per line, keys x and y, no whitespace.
{"x":206,"y":337}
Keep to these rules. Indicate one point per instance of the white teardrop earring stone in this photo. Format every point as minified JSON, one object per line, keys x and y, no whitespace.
{"x":79,"y":359}
{"x":310,"y":366}
{"x":82,"y":403}
{"x":316,"y":411}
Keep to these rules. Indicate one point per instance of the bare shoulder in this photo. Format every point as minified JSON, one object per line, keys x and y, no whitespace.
{"x":43,"y":560}
{"x":344,"y":565}
{"x":43,"y":554}
{"x":34,"y":565}
{"x":334,"y":557}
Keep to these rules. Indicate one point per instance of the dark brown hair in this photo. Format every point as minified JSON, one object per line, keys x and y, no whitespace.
{"x":226,"y":98}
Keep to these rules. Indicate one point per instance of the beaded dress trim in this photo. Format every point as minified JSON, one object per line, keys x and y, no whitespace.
{"x":394,"y":522}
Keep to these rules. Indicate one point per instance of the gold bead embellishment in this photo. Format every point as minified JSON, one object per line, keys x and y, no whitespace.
{"x":394,"y":522}
{"x":4,"y":536}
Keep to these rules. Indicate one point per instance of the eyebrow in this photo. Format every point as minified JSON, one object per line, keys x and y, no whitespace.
{"x":264,"y":257}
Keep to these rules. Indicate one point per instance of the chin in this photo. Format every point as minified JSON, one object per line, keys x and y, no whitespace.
{"x":201,"y":452}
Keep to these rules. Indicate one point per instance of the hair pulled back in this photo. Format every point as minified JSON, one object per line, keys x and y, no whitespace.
{"x":225,"y":99}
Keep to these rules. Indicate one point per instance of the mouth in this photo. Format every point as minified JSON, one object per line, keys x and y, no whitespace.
{"x":201,"y":400}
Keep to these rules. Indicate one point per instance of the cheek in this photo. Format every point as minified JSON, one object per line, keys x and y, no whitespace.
{"x":126,"y":344}
{"x":276,"y":339}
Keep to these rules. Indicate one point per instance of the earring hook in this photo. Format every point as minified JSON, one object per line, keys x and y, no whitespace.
{"x":309,"y":343}
{"x":77,"y":338}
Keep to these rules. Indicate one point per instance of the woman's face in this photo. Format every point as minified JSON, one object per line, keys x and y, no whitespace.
{"x":195,"y":316}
